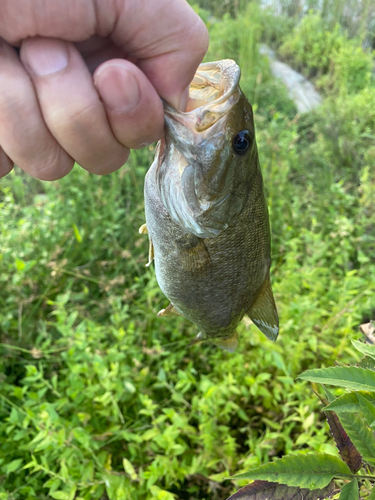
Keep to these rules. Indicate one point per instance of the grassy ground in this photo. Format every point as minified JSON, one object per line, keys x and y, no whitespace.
{"x":98,"y":398}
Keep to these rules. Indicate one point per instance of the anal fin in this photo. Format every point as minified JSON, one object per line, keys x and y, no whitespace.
{"x":263,"y":312}
{"x":230,"y":344}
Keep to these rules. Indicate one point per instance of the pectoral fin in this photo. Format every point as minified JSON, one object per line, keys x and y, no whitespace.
{"x":263,"y":312}
{"x":194,"y":254}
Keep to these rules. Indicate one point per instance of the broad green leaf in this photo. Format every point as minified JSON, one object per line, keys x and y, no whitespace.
{"x":372,"y":494}
{"x":265,"y":490}
{"x":20,"y":264}
{"x":72,"y":492}
{"x":329,"y":394}
{"x":367,"y":349}
{"x":367,"y":362}
{"x":362,"y":437}
{"x":59,"y":495}
{"x":150,"y":434}
{"x":129,"y":469}
{"x":88,"y":471}
{"x":12,"y":466}
{"x":350,"y":491}
{"x":159,"y":494}
{"x":82,"y":436}
{"x":368,"y":410}
{"x":116,"y":486}
{"x":350,"y":377}
{"x":310,"y":471}
{"x":53,"y":483}
{"x":349,"y":402}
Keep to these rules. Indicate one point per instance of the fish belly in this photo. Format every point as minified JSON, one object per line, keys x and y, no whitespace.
{"x":212,"y":281}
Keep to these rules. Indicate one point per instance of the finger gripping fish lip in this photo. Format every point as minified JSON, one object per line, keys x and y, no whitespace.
{"x":206,"y":213}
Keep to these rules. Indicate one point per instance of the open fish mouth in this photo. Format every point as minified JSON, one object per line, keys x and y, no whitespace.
{"x":212,"y":93}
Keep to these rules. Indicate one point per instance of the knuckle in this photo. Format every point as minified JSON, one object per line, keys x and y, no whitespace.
{"x":75,"y":115}
{"x":53,"y":167}
{"x":107,"y":167}
{"x":202,"y":37}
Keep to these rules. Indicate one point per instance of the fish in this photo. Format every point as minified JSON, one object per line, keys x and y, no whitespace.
{"x":206,"y":212}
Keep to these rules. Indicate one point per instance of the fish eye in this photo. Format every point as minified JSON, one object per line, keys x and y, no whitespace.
{"x":241,"y":142}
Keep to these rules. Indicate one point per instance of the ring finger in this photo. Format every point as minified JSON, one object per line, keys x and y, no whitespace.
{"x":24,"y":136}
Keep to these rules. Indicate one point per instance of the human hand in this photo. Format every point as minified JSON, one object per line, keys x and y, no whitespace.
{"x":88,"y":82}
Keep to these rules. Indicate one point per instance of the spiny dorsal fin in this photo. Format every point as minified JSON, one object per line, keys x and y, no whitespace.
{"x":263,"y":312}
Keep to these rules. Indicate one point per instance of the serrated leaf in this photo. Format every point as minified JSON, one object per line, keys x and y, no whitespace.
{"x":350,"y":377}
{"x":350,"y":491}
{"x":361,"y":436}
{"x":329,"y":394}
{"x":265,"y":490}
{"x":347,"y":450}
{"x":368,"y":409}
{"x":349,"y":402}
{"x":367,"y":362}
{"x":367,"y":349}
{"x":310,"y":471}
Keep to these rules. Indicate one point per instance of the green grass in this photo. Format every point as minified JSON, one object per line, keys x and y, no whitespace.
{"x":89,"y":376}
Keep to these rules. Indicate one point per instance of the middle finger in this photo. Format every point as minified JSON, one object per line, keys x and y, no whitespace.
{"x":71,"y":106}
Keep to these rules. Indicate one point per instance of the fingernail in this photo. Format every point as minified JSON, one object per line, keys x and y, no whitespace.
{"x":46,"y":57}
{"x":118,"y":88}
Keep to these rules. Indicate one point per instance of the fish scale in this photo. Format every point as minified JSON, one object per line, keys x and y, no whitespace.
{"x":206,"y":213}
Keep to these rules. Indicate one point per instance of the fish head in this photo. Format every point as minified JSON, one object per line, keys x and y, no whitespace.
{"x":209,"y":154}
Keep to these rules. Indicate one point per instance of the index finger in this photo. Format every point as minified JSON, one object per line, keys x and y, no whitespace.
{"x":168,"y":41}
{"x":165,"y":38}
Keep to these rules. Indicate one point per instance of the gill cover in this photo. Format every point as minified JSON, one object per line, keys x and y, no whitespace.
{"x":196,"y":177}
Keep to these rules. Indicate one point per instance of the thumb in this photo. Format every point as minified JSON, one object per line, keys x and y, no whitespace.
{"x":168,"y":41}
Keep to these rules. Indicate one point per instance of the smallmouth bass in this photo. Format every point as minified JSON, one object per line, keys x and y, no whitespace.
{"x":206,"y":213}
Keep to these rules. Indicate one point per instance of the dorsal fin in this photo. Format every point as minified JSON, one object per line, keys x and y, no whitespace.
{"x":263,"y":312}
